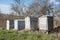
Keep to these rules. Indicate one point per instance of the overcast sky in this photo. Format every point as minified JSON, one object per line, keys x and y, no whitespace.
{"x":5,"y":4}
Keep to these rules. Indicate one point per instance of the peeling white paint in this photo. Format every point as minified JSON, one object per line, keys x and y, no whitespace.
{"x":43,"y":24}
{"x":27,"y":23}
{"x":15,"y":24}
{"x":7,"y":25}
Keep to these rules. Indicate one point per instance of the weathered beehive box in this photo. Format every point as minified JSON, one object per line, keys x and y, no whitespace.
{"x":45,"y":23}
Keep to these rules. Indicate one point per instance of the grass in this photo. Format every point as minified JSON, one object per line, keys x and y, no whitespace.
{"x":23,"y":35}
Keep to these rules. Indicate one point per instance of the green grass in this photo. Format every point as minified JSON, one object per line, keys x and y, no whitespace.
{"x":23,"y":35}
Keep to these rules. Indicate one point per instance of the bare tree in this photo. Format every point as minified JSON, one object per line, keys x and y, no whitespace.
{"x":56,"y":14}
{"x":37,"y":8}
{"x":17,"y":7}
{"x":0,"y":11}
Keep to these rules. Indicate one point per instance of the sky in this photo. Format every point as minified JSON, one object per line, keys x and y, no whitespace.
{"x":5,"y":4}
